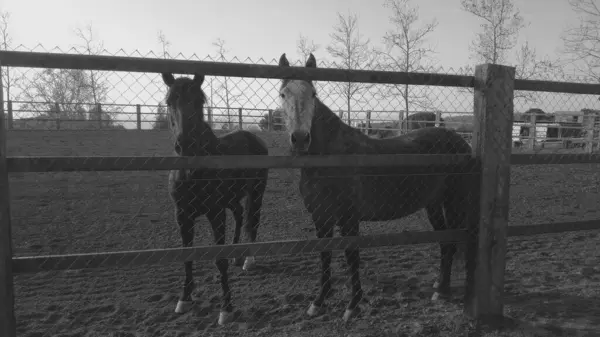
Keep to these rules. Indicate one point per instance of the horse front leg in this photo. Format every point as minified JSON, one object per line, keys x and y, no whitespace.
{"x":238,"y":213}
{"x":254,"y":202}
{"x":185,"y":221}
{"x":351,"y":228}
{"x":324,"y":230}
{"x":217,"y":219}
{"x":435,"y":213}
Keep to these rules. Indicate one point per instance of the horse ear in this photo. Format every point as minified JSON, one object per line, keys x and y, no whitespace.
{"x":198,"y":79}
{"x":311,"y":62}
{"x":283,"y":61}
{"x":168,"y":79}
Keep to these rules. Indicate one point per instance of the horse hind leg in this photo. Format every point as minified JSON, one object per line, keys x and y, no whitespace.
{"x":351,"y":228}
{"x":238,"y":212}
{"x":435,"y":213}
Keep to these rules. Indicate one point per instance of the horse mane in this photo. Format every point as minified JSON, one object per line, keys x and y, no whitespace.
{"x":335,"y":130}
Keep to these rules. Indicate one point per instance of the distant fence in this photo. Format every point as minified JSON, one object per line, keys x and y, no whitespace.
{"x":144,"y":114}
{"x":239,"y":117}
{"x":539,"y":133}
{"x":485,"y":235}
{"x":536,"y":133}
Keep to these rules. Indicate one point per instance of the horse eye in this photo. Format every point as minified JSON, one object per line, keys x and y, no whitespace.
{"x":314,"y":94}
{"x":282,"y":95}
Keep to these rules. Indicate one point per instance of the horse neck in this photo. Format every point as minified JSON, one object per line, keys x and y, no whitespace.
{"x":326,"y":127}
{"x":207,"y":141}
{"x":333,"y":136}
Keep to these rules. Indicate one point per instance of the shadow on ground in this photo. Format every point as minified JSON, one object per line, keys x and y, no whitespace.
{"x":554,"y":314}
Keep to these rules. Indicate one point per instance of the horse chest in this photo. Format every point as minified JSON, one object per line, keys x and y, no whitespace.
{"x":203,"y":194}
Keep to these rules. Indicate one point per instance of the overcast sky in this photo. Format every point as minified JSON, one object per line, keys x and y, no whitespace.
{"x":266,"y":28}
{"x":260,"y":28}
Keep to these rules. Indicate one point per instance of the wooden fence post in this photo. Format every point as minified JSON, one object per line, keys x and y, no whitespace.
{"x":240,"y":120}
{"x":589,"y":125}
{"x":8,"y":325}
{"x":57,"y":108}
{"x":369,"y":112}
{"x":494,"y":93}
{"x":99,"y":111}
{"x":138,"y":113}
{"x":10,"y":115}
{"x":596,"y":131}
{"x":270,"y":121}
{"x":532,"y":131}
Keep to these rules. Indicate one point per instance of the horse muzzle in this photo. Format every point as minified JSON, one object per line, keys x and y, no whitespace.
{"x":300,"y":141}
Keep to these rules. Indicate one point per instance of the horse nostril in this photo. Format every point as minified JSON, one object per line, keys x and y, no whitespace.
{"x":300,"y":139}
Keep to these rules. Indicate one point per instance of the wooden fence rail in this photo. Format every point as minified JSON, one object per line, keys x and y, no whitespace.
{"x":139,"y":163}
{"x":39,"y":263}
{"x":156,"y":65}
{"x":485,"y":235}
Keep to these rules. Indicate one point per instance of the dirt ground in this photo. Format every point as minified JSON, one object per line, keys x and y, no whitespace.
{"x":552,"y":282}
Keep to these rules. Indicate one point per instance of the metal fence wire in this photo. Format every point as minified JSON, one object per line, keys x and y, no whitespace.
{"x":89,"y":203}
{"x":84,"y":99}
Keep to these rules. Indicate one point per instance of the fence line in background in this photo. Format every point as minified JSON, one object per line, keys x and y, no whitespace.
{"x":7,"y":297}
{"x":486,"y":231}
{"x":525,"y":133}
{"x":267,"y":114}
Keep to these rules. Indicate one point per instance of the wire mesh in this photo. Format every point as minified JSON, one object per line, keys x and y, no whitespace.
{"x":88,"y":212}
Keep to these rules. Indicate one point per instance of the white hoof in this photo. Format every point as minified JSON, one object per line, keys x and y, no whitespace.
{"x":436,"y":284}
{"x":437,"y":296}
{"x":313,"y":310}
{"x":350,"y":313}
{"x":225,"y":317}
{"x":249,"y":264}
{"x":183,"y":306}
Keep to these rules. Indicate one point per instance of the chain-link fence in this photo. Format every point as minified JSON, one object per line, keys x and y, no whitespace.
{"x":92,"y":212}
{"x":81,"y":99}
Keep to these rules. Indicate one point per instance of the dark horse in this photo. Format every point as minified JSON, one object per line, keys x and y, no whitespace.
{"x":344,"y":197}
{"x":206,"y":191}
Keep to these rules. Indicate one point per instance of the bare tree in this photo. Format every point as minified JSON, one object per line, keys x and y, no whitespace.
{"x":164,"y":44}
{"x":406,"y":51}
{"x":351,"y":51}
{"x":305,"y":47}
{"x":582,"y":42}
{"x":501,"y":25}
{"x":529,"y":65}
{"x":224,"y":91}
{"x":98,"y":85}
{"x":161,"y":121}
{"x":9,"y":79}
{"x":61,"y":92}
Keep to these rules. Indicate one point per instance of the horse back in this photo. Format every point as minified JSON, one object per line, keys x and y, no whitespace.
{"x":383,"y":193}
{"x":242,"y":142}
